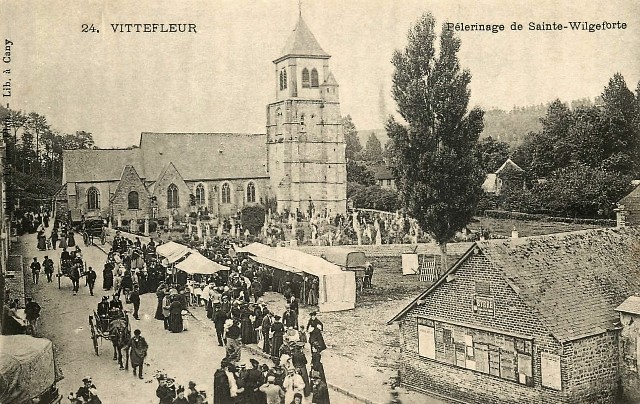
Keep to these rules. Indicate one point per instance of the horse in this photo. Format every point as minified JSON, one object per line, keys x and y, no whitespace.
{"x":120,"y":335}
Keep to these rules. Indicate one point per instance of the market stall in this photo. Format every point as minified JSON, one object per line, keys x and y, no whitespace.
{"x":196,"y":263}
{"x":173,"y":251}
{"x":337,"y":288}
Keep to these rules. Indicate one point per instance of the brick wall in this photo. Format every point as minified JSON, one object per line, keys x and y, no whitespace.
{"x":452,"y":301}
{"x":592,"y":371}
{"x":628,"y":357}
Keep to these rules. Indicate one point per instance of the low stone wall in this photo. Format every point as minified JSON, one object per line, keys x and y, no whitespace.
{"x":15,"y":284}
{"x":393,"y":250}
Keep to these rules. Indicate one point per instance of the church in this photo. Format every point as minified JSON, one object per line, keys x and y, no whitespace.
{"x":298,"y":162}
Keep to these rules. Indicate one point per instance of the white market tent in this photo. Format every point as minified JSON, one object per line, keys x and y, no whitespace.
{"x":172,"y":251}
{"x":197,"y":263}
{"x":337,"y":287}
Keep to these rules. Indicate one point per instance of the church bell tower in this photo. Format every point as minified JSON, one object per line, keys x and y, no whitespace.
{"x":305,"y":141}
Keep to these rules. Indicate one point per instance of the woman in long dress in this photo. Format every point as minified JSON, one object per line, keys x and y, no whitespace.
{"x":160,"y":295}
{"x":72,"y":241}
{"x":175,"y":316}
{"x":42,"y":241}
{"x":63,"y":240}
{"x":107,"y":276}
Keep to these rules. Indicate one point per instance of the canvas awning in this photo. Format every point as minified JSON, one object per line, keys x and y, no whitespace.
{"x":172,"y":251}
{"x":346,"y":257}
{"x":197,"y":263}
{"x":27,"y":368}
{"x":275,"y":264}
{"x":337,"y":287}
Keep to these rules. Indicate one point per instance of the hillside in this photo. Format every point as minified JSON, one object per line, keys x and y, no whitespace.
{"x":508,"y":126}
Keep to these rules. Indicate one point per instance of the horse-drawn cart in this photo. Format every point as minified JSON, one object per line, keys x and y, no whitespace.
{"x":65,"y":268}
{"x":115,"y":327}
{"x":94,"y":228}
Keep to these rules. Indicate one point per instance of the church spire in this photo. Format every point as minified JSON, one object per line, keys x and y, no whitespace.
{"x":301,"y":42}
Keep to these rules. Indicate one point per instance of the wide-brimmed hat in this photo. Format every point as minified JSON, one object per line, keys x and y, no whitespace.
{"x":87,"y":379}
{"x":313,"y":313}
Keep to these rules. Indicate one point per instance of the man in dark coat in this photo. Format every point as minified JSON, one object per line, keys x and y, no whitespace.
{"x":35,"y":270}
{"x":91,"y":279}
{"x":135,"y":299}
{"x":267,"y":321}
{"x":290,"y":318}
{"x":138,"y":352}
{"x":219,"y":318}
{"x":74,"y":275}
{"x":32,"y":312}
{"x":221,"y":387}
{"x":48,"y":268}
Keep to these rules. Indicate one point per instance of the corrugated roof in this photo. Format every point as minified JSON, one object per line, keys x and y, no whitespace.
{"x":574,"y":281}
{"x":99,"y":165}
{"x":205,"y":156}
{"x":301,"y":42}
{"x":631,"y":305}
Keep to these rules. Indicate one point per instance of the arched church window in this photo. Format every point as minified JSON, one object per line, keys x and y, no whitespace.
{"x":314,"y":78}
{"x":305,"y":78}
{"x":93,"y":198}
{"x":132,"y":200}
{"x":226,"y":193}
{"x":172,"y":197}
{"x":251,"y":193}
{"x":200,"y":198}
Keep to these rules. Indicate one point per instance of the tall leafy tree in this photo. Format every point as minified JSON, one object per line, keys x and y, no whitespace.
{"x":352,"y":141}
{"x":373,"y":149}
{"x":619,"y":105}
{"x":37,"y":124}
{"x":440,"y":178}
{"x":491,"y":154}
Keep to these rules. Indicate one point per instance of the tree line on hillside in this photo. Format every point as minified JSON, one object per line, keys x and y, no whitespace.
{"x":34,"y":154}
{"x":580,"y":162}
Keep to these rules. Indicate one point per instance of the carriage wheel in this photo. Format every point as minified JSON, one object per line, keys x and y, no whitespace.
{"x":94,"y":337}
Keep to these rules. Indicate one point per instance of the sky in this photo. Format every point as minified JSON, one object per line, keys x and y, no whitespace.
{"x":220,"y":79}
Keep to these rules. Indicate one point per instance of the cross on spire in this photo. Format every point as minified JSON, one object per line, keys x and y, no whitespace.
{"x":300,"y":8}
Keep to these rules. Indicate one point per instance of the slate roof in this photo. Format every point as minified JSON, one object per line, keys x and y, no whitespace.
{"x":509,"y":165}
{"x":99,"y":165}
{"x":301,"y":42}
{"x":573,"y":281}
{"x":632,"y":200}
{"x":631,"y":305}
{"x":205,"y":156}
{"x":196,"y":156}
{"x":382,"y":173}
